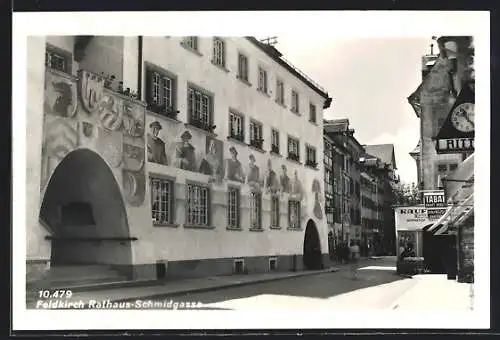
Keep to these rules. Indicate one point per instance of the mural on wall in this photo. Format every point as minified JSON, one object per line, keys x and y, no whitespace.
{"x":110,"y":146}
{"x":91,"y":89}
{"x":271,"y":182}
{"x":87,"y":129}
{"x":297,"y":191}
{"x":134,"y":186}
{"x":234,"y":170}
{"x":61,"y":136}
{"x":110,"y":111}
{"x":133,"y":119}
{"x":316,"y":190}
{"x":60,"y":98}
{"x":212,"y":164}
{"x":133,"y":157}
{"x":156,"y":145}
{"x":284,"y":180}
{"x":253,"y":179}
{"x":185,"y":152}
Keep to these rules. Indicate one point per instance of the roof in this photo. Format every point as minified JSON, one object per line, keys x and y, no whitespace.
{"x":272,"y":52}
{"x":416,"y":150}
{"x":336,"y":125}
{"x":383,"y":151}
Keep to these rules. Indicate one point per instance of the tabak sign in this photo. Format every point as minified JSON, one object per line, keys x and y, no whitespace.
{"x":435,"y":199}
{"x":416,"y":217}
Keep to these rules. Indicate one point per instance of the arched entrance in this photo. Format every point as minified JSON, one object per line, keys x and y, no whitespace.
{"x":84,"y":209}
{"x":312,"y":247}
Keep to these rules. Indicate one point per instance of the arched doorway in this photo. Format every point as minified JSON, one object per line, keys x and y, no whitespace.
{"x":312,"y":247}
{"x":84,"y":209}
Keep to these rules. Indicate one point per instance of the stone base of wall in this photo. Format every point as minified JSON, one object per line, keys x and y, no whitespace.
{"x":220,"y":266}
{"x":36,"y":270}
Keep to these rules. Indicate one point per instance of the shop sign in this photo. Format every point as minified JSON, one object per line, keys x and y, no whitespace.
{"x":435,"y":214}
{"x":455,"y":145}
{"x":434,"y":199}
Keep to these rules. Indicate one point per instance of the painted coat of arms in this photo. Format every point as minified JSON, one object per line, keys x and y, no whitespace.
{"x":91,"y":90}
{"x":60,"y":95}
{"x":134,"y":186}
{"x":111,"y":112}
{"x":133,"y":119}
{"x":133,"y":157}
{"x":110,"y":146}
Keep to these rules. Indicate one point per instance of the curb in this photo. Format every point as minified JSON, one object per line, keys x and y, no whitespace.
{"x":223,"y":286}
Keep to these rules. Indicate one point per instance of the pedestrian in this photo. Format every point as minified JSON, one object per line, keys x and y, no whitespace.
{"x":353,"y":258}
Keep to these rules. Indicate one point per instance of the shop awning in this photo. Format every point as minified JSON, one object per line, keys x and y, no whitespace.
{"x":452,"y":216}
{"x":440,"y":222}
{"x":459,"y":185}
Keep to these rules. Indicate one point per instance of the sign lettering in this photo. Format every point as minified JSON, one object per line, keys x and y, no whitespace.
{"x":434,"y":199}
{"x":455,"y":145}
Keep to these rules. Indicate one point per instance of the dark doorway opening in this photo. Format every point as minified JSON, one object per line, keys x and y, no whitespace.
{"x":439,"y":252}
{"x":312,"y":248}
{"x":84,"y":209}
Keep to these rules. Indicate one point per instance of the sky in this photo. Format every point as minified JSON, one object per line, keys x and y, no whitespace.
{"x":369,"y":80}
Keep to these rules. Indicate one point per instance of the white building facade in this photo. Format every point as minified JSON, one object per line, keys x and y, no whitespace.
{"x":172,"y":157}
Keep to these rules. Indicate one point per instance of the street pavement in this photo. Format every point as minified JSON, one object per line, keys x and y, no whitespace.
{"x":376,"y":287}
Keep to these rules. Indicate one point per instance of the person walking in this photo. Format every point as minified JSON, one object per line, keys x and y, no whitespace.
{"x":353,"y":258}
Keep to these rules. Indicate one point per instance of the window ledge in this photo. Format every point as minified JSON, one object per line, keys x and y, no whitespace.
{"x":232,"y":139}
{"x":67,"y":75}
{"x":293,"y":161}
{"x":256,"y":148}
{"x":168,"y":225}
{"x":221,"y":67}
{"x":312,"y":167}
{"x":281,"y":104}
{"x":277,"y":154}
{"x":256,"y":229}
{"x":244,"y":81}
{"x":190,"y":49}
{"x":234,"y":229}
{"x":294,"y":229}
{"x":171,"y":119}
{"x":296,"y":113}
{"x":192,"y":226}
{"x":264,"y":93}
{"x":275,"y":227}
{"x":191,"y":126}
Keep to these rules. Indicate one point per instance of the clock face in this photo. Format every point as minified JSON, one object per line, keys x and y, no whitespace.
{"x":462,"y":117}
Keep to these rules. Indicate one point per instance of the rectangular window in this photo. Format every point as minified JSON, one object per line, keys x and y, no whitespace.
{"x":239,"y":266}
{"x":442,"y":167}
{"x":162,"y":200}
{"x":236,"y":126}
{"x":256,"y":134}
{"x":262,"y":80}
{"x":294,"y":214}
{"x":197,"y":202}
{"x":295,"y":101}
{"x":311,"y":156}
{"x":233,"y":208}
{"x":275,"y":141}
{"x":199,"y":108}
{"x":280,"y":92}
{"x":219,"y":55}
{"x":293,"y":149}
{"x":275,"y":212}
{"x":312,"y":113}
{"x":242,"y":67}
{"x":191,"y":42}
{"x":453,"y":166}
{"x":255,"y":210}
{"x":161,"y":92}
{"x":329,"y":210}
{"x":57,"y":59}
{"x":273,"y":264}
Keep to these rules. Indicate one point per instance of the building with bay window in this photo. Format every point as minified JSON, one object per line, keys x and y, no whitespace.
{"x":170,"y":157}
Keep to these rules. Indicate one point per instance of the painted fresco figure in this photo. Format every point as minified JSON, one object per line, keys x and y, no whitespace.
{"x":271,"y":182}
{"x":253,"y":178}
{"x":63,"y":104}
{"x":316,"y":189}
{"x":234,"y":170}
{"x":296,"y":187}
{"x":184,"y":153}
{"x":156,"y":146}
{"x":212,"y":165}
{"x":284,"y":180}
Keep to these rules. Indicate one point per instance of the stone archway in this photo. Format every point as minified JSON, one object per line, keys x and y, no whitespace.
{"x":84,"y":209}
{"x":312,"y":247}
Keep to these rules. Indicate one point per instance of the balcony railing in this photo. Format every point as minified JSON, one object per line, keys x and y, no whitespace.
{"x":256,"y":143}
{"x":311,"y":163}
{"x":237,"y":136}
{"x":200,"y":124}
{"x":275,"y":149}
{"x":169,"y":112}
{"x":293,"y":157}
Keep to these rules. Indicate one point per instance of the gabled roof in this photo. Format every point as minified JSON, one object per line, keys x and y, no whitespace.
{"x":385,"y":152}
{"x":416,"y":150}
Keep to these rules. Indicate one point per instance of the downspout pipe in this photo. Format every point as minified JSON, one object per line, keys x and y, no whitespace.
{"x":139,"y":67}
